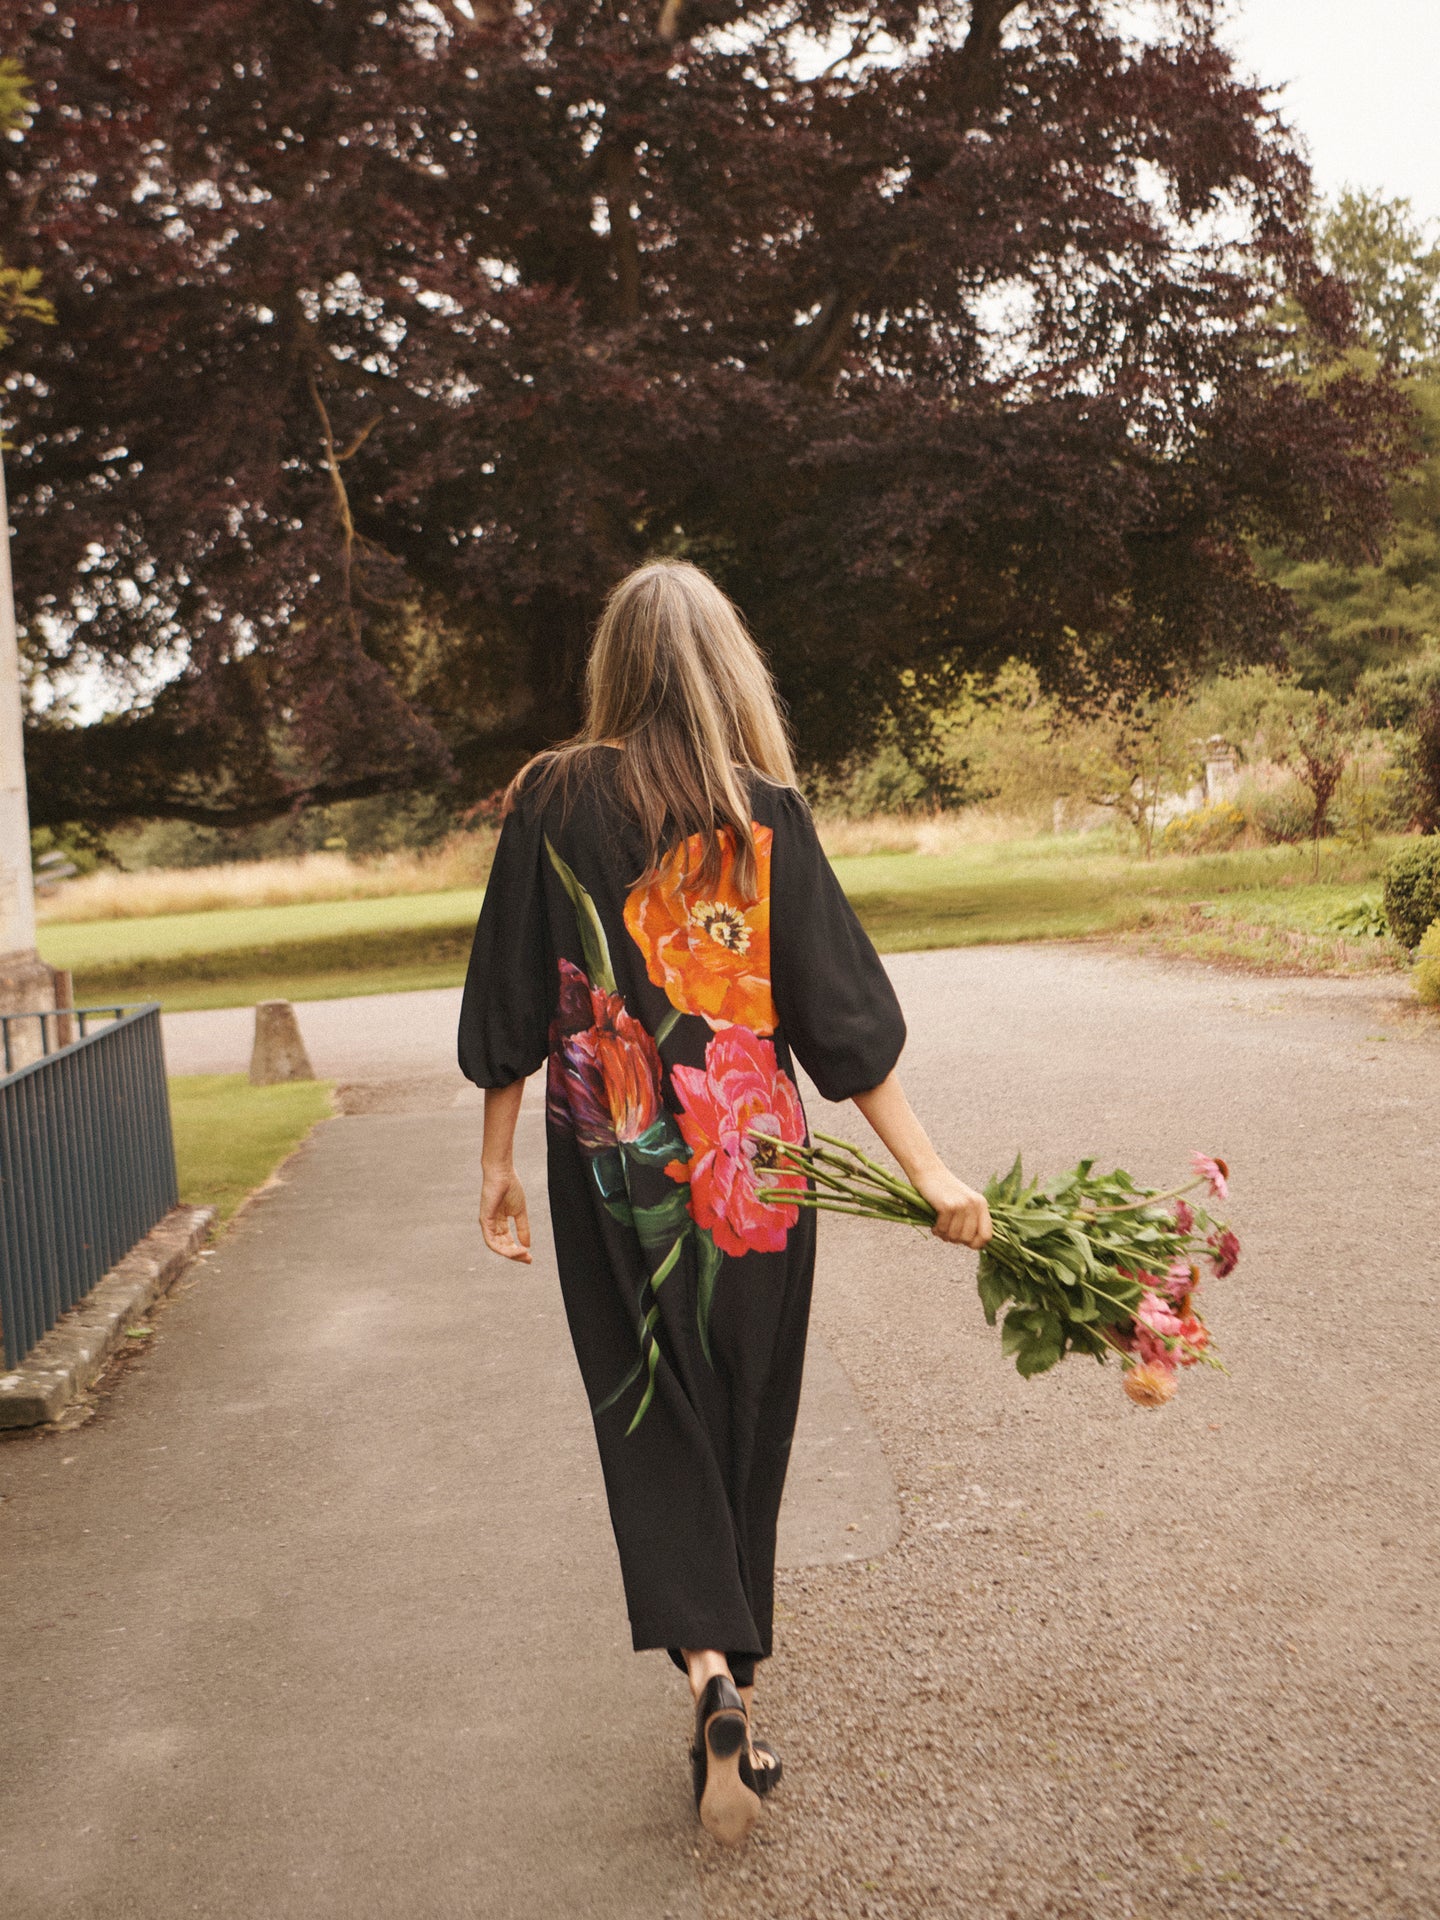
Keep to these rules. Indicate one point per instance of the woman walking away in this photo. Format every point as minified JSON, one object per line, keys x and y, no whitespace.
{"x":662,"y":927}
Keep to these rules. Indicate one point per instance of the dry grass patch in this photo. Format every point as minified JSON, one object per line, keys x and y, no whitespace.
{"x":938,"y":833}
{"x":461,"y":861}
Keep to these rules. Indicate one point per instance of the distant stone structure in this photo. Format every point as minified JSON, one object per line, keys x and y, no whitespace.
{"x":1222,"y":770}
{"x":279,"y":1052}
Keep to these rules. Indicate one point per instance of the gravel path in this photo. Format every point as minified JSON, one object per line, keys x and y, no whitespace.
{"x":1127,"y":1663}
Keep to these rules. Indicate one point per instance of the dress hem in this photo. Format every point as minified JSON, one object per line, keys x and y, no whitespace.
{"x":647,"y":1637}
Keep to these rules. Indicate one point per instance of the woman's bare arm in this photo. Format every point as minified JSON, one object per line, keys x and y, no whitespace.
{"x":961,"y":1215}
{"x":503,"y":1219}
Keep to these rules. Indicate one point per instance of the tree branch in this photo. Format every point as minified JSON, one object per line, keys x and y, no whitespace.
{"x":333,"y":458}
{"x":814,"y":355}
{"x":619,"y":177}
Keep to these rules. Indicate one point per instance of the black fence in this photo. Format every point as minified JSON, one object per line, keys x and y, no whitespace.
{"x":87,"y":1161}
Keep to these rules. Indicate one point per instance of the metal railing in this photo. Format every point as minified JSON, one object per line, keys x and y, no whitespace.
{"x":50,"y":1031}
{"x":87,"y":1164}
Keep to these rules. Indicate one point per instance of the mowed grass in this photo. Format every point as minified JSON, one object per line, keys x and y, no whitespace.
{"x":89,"y":944}
{"x":314,"y":951}
{"x":230,"y":1136}
{"x":1054,"y":889}
{"x":1260,"y":902}
{"x":249,"y":989}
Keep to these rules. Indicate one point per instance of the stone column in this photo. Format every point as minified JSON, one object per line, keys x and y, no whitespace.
{"x":25,"y":981}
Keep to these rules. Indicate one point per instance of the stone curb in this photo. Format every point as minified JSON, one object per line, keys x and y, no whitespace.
{"x":69,"y":1357}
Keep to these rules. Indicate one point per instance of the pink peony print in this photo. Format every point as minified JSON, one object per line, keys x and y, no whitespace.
{"x":742,"y":1086}
{"x":604,"y":1075}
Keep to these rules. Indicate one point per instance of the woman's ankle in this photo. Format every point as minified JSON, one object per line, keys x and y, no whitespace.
{"x":701,"y":1667}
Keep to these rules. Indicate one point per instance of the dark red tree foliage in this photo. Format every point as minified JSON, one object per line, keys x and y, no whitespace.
{"x":390,"y":334}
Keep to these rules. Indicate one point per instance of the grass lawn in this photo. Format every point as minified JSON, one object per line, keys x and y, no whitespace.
{"x":89,"y":944}
{"x":1264,"y":906}
{"x":230,"y":1136}
{"x":339,"y":983}
{"x":1050,"y":888}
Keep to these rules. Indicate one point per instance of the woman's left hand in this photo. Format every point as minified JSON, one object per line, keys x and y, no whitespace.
{"x":503,"y":1218}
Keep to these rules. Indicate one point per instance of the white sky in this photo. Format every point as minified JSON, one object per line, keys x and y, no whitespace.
{"x":1362,"y":86}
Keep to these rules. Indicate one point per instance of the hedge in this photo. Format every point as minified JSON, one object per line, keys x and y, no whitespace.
{"x":1412,"y":890}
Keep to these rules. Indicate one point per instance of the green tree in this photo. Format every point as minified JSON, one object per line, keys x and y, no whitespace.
{"x":1357,"y":617}
{"x":1392,"y":269}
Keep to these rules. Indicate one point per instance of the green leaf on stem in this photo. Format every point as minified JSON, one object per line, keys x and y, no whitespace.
{"x":656,"y":1224}
{"x":708,"y":1258}
{"x":593,"y":944}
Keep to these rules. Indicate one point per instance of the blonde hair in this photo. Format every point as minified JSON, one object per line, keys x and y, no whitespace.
{"x":676,"y":679}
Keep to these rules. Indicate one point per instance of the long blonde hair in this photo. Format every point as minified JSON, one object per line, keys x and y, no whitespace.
{"x":676,"y":679}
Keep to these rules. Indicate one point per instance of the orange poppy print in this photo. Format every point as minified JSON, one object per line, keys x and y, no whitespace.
{"x":706,"y":947}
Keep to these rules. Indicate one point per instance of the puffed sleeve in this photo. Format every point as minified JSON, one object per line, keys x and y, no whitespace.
{"x":836,"y":1005}
{"x":505,"y":1011}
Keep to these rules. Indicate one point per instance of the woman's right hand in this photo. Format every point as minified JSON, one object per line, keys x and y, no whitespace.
{"x":502,"y":1201}
{"x":961,"y":1216}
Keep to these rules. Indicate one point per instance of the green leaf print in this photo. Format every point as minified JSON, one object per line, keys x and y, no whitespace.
{"x":593,"y":943}
{"x":656,"y":1224}
{"x":708,"y":1259}
{"x":609,"y":1171}
{"x":660,"y":1142}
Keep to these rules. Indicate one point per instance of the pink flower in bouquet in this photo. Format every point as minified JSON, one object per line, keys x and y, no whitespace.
{"x":1184,"y":1217}
{"x":1149,"y":1386}
{"x":1156,"y":1326}
{"x":1196,"y":1336}
{"x":1224,"y":1253}
{"x":1154,"y":1313}
{"x":1152,"y":1351}
{"x":604,"y":1078}
{"x":1213,"y":1172}
{"x":743,"y":1086}
{"x":1181,"y":1280}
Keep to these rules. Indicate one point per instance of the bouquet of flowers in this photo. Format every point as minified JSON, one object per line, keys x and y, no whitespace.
{"x":1086,"y":1263}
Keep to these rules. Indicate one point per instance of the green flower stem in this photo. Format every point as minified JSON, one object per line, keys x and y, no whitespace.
{"x":787,"y":1197}
{"x":874,"y":1168}
{"x":856,"y":1202}
{"x":850,"y":1164}
{"x":1150,"y":1199}
{"x":818,"y":1197}
{"x":666,"y":1026}
{"x":847,"y":1187}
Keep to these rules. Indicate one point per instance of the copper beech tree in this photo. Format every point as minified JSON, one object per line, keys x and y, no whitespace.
{"x":390,"y":334}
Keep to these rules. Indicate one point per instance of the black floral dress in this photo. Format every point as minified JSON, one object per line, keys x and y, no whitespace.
{"x":668,"y":1016}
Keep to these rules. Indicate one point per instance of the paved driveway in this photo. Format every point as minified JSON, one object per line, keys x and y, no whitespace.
{"x":319,"y":1615}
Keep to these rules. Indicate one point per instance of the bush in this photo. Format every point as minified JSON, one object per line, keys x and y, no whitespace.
{"x":1427,"y":967}
{"x":1212,"y":829}
{"x":1412,"y":890}
{"x":884,"y":782}
{"x":1282,"y":814}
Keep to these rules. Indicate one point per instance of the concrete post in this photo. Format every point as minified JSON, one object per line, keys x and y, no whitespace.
{"x":279,"y":1052}
{"x":25,"y":981}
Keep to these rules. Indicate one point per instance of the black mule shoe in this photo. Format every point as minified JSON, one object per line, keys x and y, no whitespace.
{"x":768,"y":1777}
{"x":725,"y":1789}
